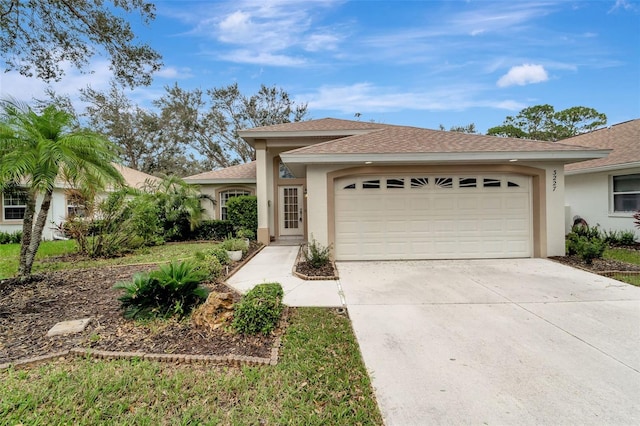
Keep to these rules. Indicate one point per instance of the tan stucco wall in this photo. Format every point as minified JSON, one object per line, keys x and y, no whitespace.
{"x":548,"y":214}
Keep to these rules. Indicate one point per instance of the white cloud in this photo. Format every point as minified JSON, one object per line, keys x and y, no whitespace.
{"x":262,"y":58}
{"x":523,"y":74}
{"x":26,"y":89}
{"x":367,"y":98}
{"x":174,"y":73}
{"x":622,"y":4}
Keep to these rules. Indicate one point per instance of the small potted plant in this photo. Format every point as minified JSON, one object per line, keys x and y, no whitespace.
{"x":234,"y":248}
{"x":246,"y":235}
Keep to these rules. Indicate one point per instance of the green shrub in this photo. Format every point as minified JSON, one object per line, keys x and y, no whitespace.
{"x":214,"y":230}
{"x":243,"y":213}
{"x":246,"y":233}
{"x":586,"y":242}
{"x":259,"y":310}
{"x":174,"y":289}
{"x":234,"y":244}
{"x":619,"y":238}
{"x":10,"y":237}
{"x":210,"y":265}
{"x":316,"y":254}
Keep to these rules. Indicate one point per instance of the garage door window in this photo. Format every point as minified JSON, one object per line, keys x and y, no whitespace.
{"x":395,"y":183}
{"x":419,"y":182}
{"x":442,"y":182}
{"x":371,"y":184}
{"x":626,"y":193}
{"x":467,"y":182}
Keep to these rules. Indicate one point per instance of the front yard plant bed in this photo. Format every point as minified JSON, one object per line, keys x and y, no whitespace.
{"x":303,"y":269}
{"x":29,"y":309}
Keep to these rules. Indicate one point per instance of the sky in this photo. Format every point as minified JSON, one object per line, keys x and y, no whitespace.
{"x":417,"y":63}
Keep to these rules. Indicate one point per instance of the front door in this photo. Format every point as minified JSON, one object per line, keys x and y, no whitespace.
{"x":290,"y":210}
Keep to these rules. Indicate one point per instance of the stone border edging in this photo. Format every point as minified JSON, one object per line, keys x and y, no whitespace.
{"x":230,"y":360}
{"x":309,"y":277}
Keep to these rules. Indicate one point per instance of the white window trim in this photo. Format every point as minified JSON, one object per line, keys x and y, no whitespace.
{"x":5,"y":206}
{"x":238,"y":192}
{"x":612,"y":194}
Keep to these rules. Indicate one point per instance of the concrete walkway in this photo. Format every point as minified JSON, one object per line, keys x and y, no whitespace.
{"x":275,"y":264}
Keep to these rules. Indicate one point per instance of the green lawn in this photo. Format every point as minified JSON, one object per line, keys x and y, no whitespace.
{"x":622,"y":255}
{"x":320,"y":380}
{"x":9,"y":255}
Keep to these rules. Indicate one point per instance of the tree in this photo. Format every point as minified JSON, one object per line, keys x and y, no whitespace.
{"x":36,"y":151}
{"x":542,"y":122}
{"x":211,"y":125}
{"x":469,"y":128}
{"x":38,"y":36}
{"x":147,"y":142}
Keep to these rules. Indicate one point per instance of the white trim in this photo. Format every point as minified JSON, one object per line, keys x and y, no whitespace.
{"x":440,"y":157}
{"x":612,"y":167}
{"x":612,"y":194}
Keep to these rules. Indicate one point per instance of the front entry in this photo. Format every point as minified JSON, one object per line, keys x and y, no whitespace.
{"x":291,"y":217}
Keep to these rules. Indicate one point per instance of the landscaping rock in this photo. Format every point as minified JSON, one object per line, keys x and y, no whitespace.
{"x":69,"y":327}
{"x":215,"y":312}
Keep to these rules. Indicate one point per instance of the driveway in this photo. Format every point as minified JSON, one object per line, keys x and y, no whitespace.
{"x":496,"y":342}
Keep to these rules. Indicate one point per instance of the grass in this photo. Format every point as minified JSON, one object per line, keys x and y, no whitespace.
{"x":319,"y":380}
{"x":9,"y":255}
{"x":622,"y":255}
{"x":633,"y":279}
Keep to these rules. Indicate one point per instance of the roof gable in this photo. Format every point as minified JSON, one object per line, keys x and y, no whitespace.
{"x":320,"y":125}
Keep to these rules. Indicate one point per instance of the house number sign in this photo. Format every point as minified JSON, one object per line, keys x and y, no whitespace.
{"x":555,"y":179}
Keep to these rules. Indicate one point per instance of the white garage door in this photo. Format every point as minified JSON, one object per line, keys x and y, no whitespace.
{"x":432,"y":217}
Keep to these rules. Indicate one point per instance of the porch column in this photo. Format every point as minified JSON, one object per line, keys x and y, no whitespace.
{"x":262,"y":192}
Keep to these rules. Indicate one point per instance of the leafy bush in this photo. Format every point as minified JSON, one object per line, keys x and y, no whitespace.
{"x":317,"y":255}
{"x":10,"y":237}
{"x":212,"y":230}
{"x":243,"y":213}
{"x":259,"y":310}
{"x":234,"y":244}
{"x":210,"y":265}
{"x":246,"y":233}
{"x":174,"y":289}
{"x":585,"y":242}
{"x":619,"y":238}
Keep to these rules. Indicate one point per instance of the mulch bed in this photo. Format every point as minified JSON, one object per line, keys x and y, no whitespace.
{"x":598,"y":265}
{"x":29,"y":309}
{"x":305,"y":268}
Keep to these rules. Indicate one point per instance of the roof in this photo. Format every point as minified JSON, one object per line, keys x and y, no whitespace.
{"x":622,"y":138}
{"x":241,"y":173}
{"x":320,"y":125}
{"x":132,"y":177}
{"x":398,"y":139}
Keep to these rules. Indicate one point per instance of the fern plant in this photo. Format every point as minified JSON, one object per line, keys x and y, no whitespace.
{"x":174,"y":289}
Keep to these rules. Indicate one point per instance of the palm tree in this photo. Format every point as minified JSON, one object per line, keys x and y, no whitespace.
{"x":39,"y":149}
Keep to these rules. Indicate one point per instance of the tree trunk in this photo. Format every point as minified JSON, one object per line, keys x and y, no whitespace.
{"x":36,"y":237}
{"x":27,"y":231}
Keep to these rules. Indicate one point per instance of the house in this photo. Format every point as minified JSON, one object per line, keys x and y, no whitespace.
{"x":375,"y":191}
{"x":13,"y":206}
{"x":220,"y":185}
{"x":605,"y":191}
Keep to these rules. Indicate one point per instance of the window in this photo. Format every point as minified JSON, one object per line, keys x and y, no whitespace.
{"x":350,"y":186}
{"x":395,"y":183}
{"x":76,"y":204}
{"x":284,"y":171}
{"x":225,"y":196}
{"x":14,"y":204}
{"x":491,"y":183}
{"x":419,"y":182}
{"x":371,"y":184}
{"x":443,"y":182}
{"x":467,"y":183}
{"x":626,"y":193}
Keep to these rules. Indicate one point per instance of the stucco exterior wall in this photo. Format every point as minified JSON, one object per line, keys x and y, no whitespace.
{"x":588,"y":195}
{"x":211,"y":210}
{"x":57,"y":214}
{"x":552,"y":236}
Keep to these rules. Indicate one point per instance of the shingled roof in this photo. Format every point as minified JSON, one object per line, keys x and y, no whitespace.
{"x":320,"y":125}
{"x":622,"y":138}
{"x":403,"y":140}
{"x":240,"y":173}
{"x":134,"y":178}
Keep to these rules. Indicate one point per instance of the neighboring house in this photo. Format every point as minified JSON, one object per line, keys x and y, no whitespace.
{"x":63,"y":204}
{"x":605,"y":191}
{"x":221,"y":185}
{"x":376,"y":191}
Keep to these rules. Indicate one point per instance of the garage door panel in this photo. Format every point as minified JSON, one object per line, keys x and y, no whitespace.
{"x":433,"y":223}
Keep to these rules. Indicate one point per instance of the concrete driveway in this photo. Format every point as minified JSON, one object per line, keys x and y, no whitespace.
{"x":496,"y":342}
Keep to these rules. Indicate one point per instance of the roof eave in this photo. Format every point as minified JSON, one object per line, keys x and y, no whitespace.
{"x":250,"y":136}
{"x":440,"y":157}
{"x":607,"y":168}
{"x":205,"y":181}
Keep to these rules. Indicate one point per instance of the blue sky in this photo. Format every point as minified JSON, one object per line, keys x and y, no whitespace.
{"x":419,"y":63}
